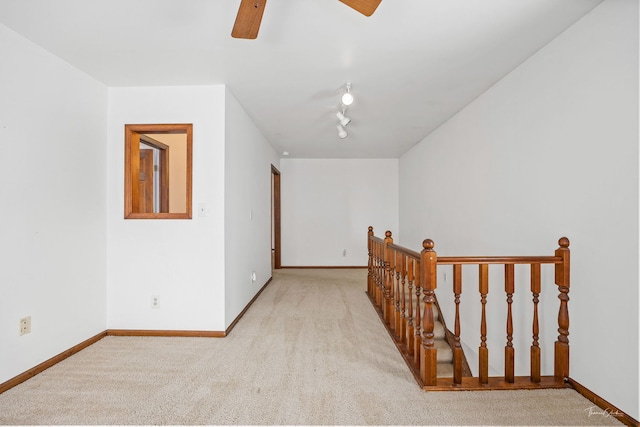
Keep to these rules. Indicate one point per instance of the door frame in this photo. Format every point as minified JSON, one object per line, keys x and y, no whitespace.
{"x":163,"y":168}
{"x":276,"y":226}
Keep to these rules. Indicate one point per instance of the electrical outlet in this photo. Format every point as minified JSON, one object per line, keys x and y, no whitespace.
{"x":25,"y":325}
{"x":155,"y":301}
{"x":344,"y":252}
{"x":254,"y":277}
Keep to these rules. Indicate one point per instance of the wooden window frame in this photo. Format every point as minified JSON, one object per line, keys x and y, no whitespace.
{"x":132,"y":167}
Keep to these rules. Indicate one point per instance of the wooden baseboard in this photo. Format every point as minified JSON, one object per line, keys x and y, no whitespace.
{"x":50,"y":362}
{"x":163,"y":333}
{"x":606,"y":408}
{"x":324,"y":266}
{"x":122,"y":333}
{"x":239,"y":316}
{"x":173,"y":333}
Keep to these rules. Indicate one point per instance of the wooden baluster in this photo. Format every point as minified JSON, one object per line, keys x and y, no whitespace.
{"x":509,"y":351}
{"x":382,"y":270}
{"x":535,"y":347}
{"x":401,"y":323}
{"x":396,"y":296}
{"x":457,"y":347}
{"x":379,"y":275}
{"x":392,"y":290}
{"x":483,"y":351}
{"x":417,"y":337}
{"x":561,"y":356}
{"x":388,"y":279}
{"x":429,"y":357}
{"x":370,"y":262}
{"x":374,"y":246}
{"x":381,"y":284}
{"x":410,"y":331}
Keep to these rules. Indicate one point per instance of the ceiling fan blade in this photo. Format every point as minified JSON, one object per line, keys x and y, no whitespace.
{"x":365,"y":7}
{"x":248,"y":19}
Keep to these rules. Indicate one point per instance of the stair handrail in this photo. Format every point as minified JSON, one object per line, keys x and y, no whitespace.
{"x":419,"y":270}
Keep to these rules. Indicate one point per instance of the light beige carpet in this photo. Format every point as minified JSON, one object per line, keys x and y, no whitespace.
{"x":311,"y":350}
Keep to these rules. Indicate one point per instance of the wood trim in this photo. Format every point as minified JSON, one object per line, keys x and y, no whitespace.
{"x":163,"y":149}
{"x":160,"y":215}
{"x":442,"y":260}
{"x":255,"y":297}
{"x":153,"y":143}
{"x":606,"y":408}
{"x":404,"y":251}
{"x":496,"y":383}
{"x":324,"y":266}
{"x":277,"y":218}
{"x":50,"y":362}
{"x":163,"y":333}
{"x":131,"y":166}
{"x":131,"y":163}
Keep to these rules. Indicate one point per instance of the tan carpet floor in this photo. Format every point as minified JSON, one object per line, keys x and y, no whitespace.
{"x":311,"y":350}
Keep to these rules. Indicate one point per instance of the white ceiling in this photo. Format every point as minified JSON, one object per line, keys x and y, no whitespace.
{"x":413,"y":64}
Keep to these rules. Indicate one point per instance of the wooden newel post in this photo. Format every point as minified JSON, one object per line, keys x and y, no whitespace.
{"x":428,"y":352}
{"x":387,"y":302}
{"x":370,"y":263}
{"x":562,"y":280}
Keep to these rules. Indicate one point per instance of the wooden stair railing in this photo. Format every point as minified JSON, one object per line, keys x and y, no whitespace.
{"x":393,"y":284}
{"x":402,"y":283}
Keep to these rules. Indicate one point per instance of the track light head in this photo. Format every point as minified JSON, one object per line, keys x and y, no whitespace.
{"x":341,"y":132}
{"x":344,"y":120}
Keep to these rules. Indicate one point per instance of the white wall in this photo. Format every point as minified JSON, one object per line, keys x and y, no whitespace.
{"x":52,"y":187}
{"x":248,"y":160}
{"x":181,"y":261}
{"x":550,"y":150}
{"x":328,"y":205}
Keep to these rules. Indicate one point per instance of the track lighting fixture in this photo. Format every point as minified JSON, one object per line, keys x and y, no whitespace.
{"x":347,"y":98}
{"x":344,"y":120}
{"x":341,"y":132}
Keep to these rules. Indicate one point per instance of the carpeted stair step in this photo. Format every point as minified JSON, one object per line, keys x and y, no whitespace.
{"x":445,"y":355}
{"x":445,"y":370}
{"x":438,"y":330}
{"x":444,"y":352}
